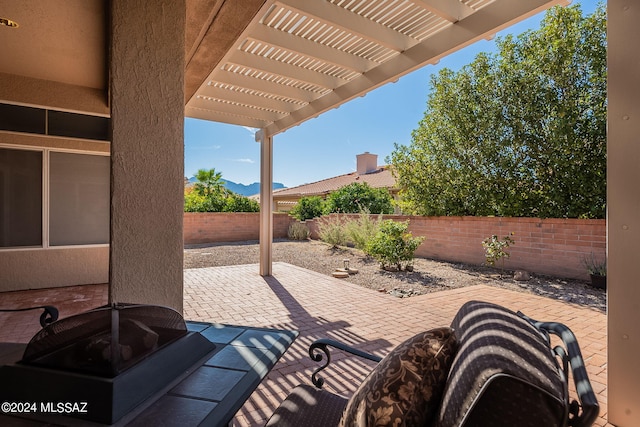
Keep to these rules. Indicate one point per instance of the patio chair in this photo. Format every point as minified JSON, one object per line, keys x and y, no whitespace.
{"x":491,"y":367}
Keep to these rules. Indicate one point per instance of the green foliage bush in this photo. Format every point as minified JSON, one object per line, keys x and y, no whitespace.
{"x":195,"y":202}
{"x":209,"y":195}
{"x":332,"y":230}
{"x":357,"y":197}
{"x":229,"y":202}
{"x":237,"y":203}
{"x":361,"y":230}
{"x":308,"y":208}
{"x":521,"y":132}
{"x":393,"y":245}
{"x":298,"y":231}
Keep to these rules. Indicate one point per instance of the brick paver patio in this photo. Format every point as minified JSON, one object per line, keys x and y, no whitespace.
{"x":321,"y":306}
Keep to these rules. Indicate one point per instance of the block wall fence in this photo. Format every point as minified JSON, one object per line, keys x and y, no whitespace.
{"x":211,"y":227}
{"x":555,"y":247}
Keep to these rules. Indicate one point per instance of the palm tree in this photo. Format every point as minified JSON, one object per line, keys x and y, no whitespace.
{"x":209,"y":183}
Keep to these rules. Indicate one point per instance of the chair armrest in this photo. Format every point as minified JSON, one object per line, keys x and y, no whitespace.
{"x":322,"y":346}
{"x":571,"y":356}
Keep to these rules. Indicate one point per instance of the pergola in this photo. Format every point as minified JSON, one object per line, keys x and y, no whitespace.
{"x":269,"y":65}
{"x":296,"y":59}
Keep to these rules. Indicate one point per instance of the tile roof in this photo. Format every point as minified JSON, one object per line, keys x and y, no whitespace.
{"x":380,"y":178}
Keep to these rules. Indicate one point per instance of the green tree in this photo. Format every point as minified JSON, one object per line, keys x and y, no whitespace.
{"x":209,"y":183}
{"x":357,"y":197}
{"x":238,"y":203}
{"x":308,"y":208}
{"x":518,"y":133}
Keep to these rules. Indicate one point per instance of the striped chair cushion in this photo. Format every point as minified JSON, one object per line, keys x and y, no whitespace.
{"x":504,"y":373}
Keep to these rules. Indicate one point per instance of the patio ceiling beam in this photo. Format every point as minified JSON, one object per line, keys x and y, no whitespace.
{"x":452,"y":11}
{"x":217,"y":116}
{"x":294,"y":72}
{"x":254,"y":83}
{"x":489,"y":20}
{"x":311,"y":49}
{"x":259,"y":99}
{"x":246,"y":110}
{"x":351,"y":22}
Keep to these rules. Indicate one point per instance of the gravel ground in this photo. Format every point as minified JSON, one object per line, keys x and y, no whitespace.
{"x":428,"y":275}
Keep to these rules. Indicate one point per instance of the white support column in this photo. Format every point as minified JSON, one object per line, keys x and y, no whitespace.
{"x":266,"y":201}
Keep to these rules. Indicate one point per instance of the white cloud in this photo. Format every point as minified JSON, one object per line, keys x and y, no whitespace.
{"x":204,"y":148}
{"x":244,"y":160}
{"x":252,"y":131}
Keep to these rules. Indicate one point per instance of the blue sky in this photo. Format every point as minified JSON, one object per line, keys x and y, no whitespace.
{"x":327,"y":145}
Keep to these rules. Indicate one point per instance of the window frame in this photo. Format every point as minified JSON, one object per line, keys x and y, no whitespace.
{"x":46,"y":196}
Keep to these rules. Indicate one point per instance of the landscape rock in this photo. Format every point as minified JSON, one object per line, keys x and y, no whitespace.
{"x":428,"y":275}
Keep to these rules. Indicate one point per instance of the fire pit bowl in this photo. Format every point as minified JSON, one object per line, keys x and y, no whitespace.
{"x":111,"y":360}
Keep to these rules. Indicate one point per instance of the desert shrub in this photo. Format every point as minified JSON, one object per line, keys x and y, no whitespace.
{"x":308,"y":208}
{"x":495,"y":249}
{"x":393,"y":245}
{"x":332,"y":230}
{"x":361,"y":230}
{"x":298,"y":231}
{"x":595,"y":266}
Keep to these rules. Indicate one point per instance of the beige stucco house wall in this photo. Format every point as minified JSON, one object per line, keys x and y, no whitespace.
{"x":140,"y":91}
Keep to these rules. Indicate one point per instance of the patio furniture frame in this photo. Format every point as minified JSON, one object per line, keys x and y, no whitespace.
{"x":49,"y":315}
{"x":566,"y":357}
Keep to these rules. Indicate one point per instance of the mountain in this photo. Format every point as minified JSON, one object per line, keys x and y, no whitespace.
{"x":245,"y":190}
{"x":248,"y":190}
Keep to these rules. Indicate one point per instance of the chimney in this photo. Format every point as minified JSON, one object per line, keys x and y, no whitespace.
{"x":366,"y":163}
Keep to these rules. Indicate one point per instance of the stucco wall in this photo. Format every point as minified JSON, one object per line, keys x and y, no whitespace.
{"x":55,"y":95}
{"x":147,"y":151}
{"x":52,"y":268}
{"x":40,"y":141}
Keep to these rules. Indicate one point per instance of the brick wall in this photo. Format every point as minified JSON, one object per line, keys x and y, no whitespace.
{"x":555,"y":247}
{"x":201,"y":227}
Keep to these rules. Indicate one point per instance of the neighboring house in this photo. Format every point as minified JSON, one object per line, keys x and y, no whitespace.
{"x":367,"y":170}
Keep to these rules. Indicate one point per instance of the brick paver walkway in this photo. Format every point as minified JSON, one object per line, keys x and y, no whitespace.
{"x":321,"y":306}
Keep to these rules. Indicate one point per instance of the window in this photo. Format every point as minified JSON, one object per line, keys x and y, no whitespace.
{"x":78,"y":199}
{"x":76,"y":187}
{"x":20,"y":198}
{"x":17,"y":118}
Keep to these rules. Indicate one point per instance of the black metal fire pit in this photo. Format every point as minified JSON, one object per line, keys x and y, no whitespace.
{"x":110,"y":360}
